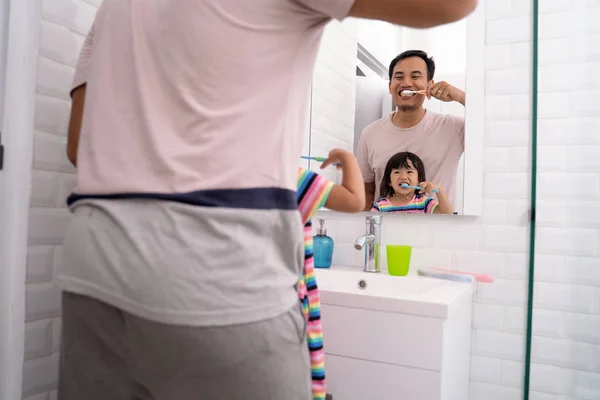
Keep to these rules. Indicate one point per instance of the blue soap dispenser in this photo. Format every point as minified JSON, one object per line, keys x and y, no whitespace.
{"x":323,"y":246}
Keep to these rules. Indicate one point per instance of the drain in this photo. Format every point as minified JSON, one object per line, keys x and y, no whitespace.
{"x":362,"y":284}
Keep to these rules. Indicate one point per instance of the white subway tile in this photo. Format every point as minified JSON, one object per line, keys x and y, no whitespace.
{"x":583,"y":270}
{"x":458,"y":235}
{"x":410,"y":230}
{"x":486,"y":369}
{"x":551,"y":213}
{"x":554,"y":104}
{"x":491,"y":263}
{"x":40,"y":261}
{"x":345,"y":254}
{"x":508,"y":30}
{"x":549,"y":185}
{"x":60,"y":44}
{"x":514,"y":320}
{"x":582,"y":327}
{"x":520,"y":109}
{"x":503,"y":292}
{"x":584,"y":47}
{"x":512,"y":133}
{"x":506,"y":186}
{"x":47,"y":226}
{"x":40,"y":375}
{"x":546,"y":378}
{"x":564,"y":297}
{"x":550,"y":6}
{"x":38,"y":339}
{"x":521,"y":55}
{"x":494,"y":212}
{"x":558,"y":25}
{"x":583,"y":158}
{"x":580,"y":131}
{"x":553,"y":51}
{"x":583,"y":103}
{"x":488,"y":317}
{"x":73,"y":14}
{"x":549,"y":268}
{"x":582,"y":384}
{"x":49,"y":153}
{"x":499,"y":344}
{"x":497,"y":9}
{"x":496,"y":159}
{"x":521,"y":8}
{"x":569,"y":242}
{"x":497,"y":57}
{"x":486,"y":391}
{"x":52,"y":115}
{"x":519,"y":159}
{"x":512,"y":373}
{"x":517,"y":266}
{"x":505,"y":238}
{"x":44,"y":189}
{"x":562,"y":353}
{"x":497,"y":108}
{"x":54,"y":79}
{"x":510,"y":81}
{"x":518,"y":212}
{"x":548,"y":323}
{"x":430,"y":258}
{"x":42,"y":301}
{"x":552,"y":159}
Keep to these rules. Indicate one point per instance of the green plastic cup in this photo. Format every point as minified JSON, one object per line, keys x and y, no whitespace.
{"x":398,"y":259}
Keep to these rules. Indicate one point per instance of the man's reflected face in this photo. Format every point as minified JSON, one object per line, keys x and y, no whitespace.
{"x":409,"y":74}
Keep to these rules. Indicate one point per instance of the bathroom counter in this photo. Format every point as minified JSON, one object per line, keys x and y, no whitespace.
{"x":391,"y":338}
{"x":431,"y":297}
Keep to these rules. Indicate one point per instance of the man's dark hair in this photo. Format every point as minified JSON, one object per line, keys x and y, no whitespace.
{"x":397,"y":161}
{"x":414,"y":53}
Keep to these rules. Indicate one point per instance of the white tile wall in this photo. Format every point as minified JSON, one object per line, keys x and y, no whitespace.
{"x":64,"y":24}
{"x":566,"y":351}
{"x":566,"y":323}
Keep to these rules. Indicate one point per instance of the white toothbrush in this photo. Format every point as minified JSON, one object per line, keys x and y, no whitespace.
{"x":407,"y":93}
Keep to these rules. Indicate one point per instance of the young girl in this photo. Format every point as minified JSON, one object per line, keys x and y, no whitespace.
{"x":407,"y":168}
{"x":314,"y":192}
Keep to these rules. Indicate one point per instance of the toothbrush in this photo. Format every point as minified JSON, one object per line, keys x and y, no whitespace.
{"x":404,"y":185}
{"x":409,"y":92}
{"x":319,"y":159}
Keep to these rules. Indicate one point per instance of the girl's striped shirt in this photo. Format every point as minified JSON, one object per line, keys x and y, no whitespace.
{"x":418,"y":205}
{"x":312,"y":194}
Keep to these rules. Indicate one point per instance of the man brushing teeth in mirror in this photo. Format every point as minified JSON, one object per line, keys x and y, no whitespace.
{"x":437,"y":138}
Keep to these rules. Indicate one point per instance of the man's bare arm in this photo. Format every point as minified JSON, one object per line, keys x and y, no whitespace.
{"x":78,"y":102}
{"x":369,"y":195}
{"x":414,"y":14}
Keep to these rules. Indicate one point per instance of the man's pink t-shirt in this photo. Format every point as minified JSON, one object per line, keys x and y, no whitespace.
{"x":437,"y":139}
{"x":189,"y":95}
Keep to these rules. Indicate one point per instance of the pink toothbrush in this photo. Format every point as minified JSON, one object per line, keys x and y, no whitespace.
{"x":478,"y":277}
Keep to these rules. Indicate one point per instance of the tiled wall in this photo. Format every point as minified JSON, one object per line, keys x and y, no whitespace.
{"x":63,"y":26}
{"x":566,"y":349}
{"x":566,"y":346}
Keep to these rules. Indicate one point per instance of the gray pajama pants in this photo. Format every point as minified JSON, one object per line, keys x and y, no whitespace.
{"x":109,"y":354}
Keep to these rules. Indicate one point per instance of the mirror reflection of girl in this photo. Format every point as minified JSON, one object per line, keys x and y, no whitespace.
{"x":314,"y":192}
{"x":407,"y":168}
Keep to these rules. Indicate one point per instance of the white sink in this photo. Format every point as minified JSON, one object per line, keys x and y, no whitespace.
{"x":349,"y":286}
{"x":395,"y":338}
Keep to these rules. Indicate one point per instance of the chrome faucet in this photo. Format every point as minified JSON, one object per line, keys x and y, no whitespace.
{"x":372,"y":240}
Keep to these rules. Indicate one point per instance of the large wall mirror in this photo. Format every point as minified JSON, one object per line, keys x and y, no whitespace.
{"x":435,"y":137}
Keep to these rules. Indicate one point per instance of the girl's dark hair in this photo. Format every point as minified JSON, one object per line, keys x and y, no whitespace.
{"x":397,"y":161}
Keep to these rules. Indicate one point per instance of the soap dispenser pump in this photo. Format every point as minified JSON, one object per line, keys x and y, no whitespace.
{"x":323,"y":246}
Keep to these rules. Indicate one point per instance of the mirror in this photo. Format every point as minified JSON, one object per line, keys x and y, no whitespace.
{"x":355,"y":106}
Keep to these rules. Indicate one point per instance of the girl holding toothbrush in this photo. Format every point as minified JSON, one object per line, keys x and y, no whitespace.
{"x":314,"y":192}
{"x":405,"y":189}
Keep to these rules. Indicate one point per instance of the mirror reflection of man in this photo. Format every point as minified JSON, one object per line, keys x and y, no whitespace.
{"x":437,"y":139}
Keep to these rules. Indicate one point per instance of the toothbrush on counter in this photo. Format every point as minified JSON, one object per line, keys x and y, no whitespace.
{"x":446,"y":275}
{"x":409,"y":92}
{"x":404,"y":185}
{"x":478,"y":277}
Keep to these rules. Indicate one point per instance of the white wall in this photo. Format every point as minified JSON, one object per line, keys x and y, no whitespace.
{"x":566,"y":351}
{"x":63,"y":26}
